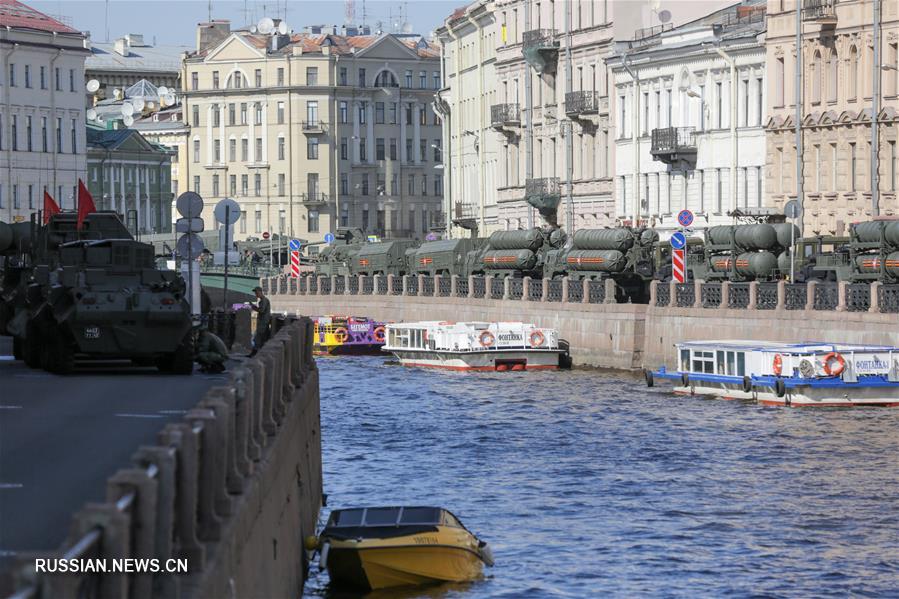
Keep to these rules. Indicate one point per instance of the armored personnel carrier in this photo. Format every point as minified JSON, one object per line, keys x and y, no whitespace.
{"x":67,"y":294}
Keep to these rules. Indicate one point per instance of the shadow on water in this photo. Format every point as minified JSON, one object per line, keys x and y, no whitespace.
{"x":587,"y":483}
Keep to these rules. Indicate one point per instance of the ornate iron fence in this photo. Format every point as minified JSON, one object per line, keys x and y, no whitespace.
{"x":304,"y":284}
{"x":684,"y":295}
{"x":516,"y":288}
{"x":596,"y":291}
{"x":497,"y":288}
{"x":738,"y":295}
{"x":340,"y":285}
{"x":397,"y":286}
{"x":554,"y":290}
{"x":888,"y":299}
{"x":292,"y":285}
{"x":827,"y":296}
{"x":354,"y":285}
{"x":462,"y":287}
{"x":427,"y":286}
{"x":446,"y":287}
{"x":766,"y":296}
{"x":575,"y":291}
{"x":313,"y":285}
{"x":412,"y":285}
{"x":382,"y":285}
{"x":795,"y":296}
{"x":663,"y":294}
{"x":282,"y":285}
{"x":324,"y":286}
{"x":535,"y":290}
{"x":710,"y":295}
{"x":858,"y":297}
{"x":368,"y":285}
{"x":480,"y":287}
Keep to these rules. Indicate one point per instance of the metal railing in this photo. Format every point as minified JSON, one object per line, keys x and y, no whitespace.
{"x":411,"y":285}
{"x":516,"y":288}
{"x":663,"y":295}
{"x":795,"y":296}
{"x":685,"y":295}
{"x":497,"y":288}
{"x":582,"y":102}
{"x":427,"y":287}
{"x":673,"y":140}
{"x":596,"y":291}
{"x":815,"y":10}
{"x":535,"y":290}
{"x":858,"y":297}
{"x":505,"y":114}
{"x":553,"y":290}
{"x":710,"y":295}
{"x":479,"y":288}
{"x":314,"y":198}
{"x":827,"y":296}
{"x":738,"y":295}
{"x":540,"y":39}
{"x":766,"y":296}
{"x":313,"y":126}
{"x":462,"y":287}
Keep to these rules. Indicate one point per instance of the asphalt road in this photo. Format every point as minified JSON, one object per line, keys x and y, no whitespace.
{"x":62,"y":437}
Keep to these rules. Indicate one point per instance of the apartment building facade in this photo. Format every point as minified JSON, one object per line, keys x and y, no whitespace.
{"x":314,"y":131}
{"x":42,"y":135}
{"x":839,"y":110}
{"x":690,"y":120}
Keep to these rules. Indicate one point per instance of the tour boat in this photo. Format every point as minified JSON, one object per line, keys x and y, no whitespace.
{"x":791,"y":374}
{"x":348,"y":335}
{"x":382,"y":547}
{"x":496,"y":346}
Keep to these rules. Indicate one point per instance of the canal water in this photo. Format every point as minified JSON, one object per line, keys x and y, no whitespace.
{"x":587,"y":483}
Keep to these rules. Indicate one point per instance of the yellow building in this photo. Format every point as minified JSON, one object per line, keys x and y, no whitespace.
{"x":315,"y":130}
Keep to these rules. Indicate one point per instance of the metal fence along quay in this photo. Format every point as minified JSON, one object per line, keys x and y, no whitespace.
{"x":815,"y":296}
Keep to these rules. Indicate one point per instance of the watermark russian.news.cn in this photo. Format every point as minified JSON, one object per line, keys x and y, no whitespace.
{"x":114,"y":566}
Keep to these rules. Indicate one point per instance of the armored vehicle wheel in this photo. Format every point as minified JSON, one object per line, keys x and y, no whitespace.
{"x":182,"y":360}
{"x":60,"y":355}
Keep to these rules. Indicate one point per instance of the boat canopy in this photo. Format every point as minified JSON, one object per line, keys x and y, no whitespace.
{"x":392,"y":516}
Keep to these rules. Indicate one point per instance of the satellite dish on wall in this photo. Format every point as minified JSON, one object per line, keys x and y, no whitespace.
{"x":266,"y":25}
{"x":92,"y":86}
{"x":91,"y":114}
{"x":138,"y":104}
{"x":282,"y":28}
{"x":128,"y":120}
{"x":664,"y":16}
{"x":170,"y":99}
{"x":252,"y":29}
{"x":117,"y":93}
{"x":127,"y":109}
{"x":163,"y":90}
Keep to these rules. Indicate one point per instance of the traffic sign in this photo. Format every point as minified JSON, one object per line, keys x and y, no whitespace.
{"x":678,"y":272}
{"x":294,"y":245}
{"x":189,"y":225}
{"x":190,"y":246}
{"x":791,"y":209}
{"x":685,"y":217}
{"x":189,"y":204}
{"x":678,"y":241}
{"x":329,"y":237}
{"x":294,"y":262}
{"x":266,"y":235}
{"x":227,"y":211}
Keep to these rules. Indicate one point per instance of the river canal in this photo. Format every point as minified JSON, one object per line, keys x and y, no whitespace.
{"x":587,"y":483}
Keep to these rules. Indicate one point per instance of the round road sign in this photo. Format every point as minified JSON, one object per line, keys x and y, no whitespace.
{"x":678,"y":241}
{"x":329,"y":237}
{"x":227,"y":212}
{"x":265,"y":235}
{"x":189,"y":204}
{"x":190,"y":245}
{"x":791,"y":209}
{"x":294,"y":245}
{"x":685,"y":218}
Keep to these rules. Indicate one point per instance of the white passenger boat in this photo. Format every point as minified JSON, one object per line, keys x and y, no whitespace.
{"x":497,"y":346}
{"x":800,"y":374}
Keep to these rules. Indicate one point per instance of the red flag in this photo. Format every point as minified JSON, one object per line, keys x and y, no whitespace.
{"x":85,"y":203}
{"x":50,"y":207}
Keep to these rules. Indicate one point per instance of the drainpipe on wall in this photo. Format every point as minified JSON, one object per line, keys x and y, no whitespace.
{"x":733,"y":126}
{"x":529,"y":126}
{"x":635,"y":122}
{"x":15,"y":47}
{"x":53,"y":111}
{"x":482,"y":138}
{"x":799,"y":158}
{"x":875,"y":123}
{"x":569,"y":142}
{"x":457,"y":54}
{"x":446,"y":145}
{"x":335,"y":142}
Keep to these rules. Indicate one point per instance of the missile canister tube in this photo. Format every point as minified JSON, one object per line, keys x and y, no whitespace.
{"x":869,"y":232}
{"x":872,"y":264}
{"x":749,"y":264}
{"x":595,"y":260}
{"x":509,"y":259}
{"x":531,"y":240}
{"x":756,"y":237}
{"x":783,"y":234}
{"x":620,"y":239}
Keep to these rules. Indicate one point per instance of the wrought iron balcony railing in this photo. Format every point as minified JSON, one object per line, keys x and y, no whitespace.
{"x":672,"y":140}
{"x":819,"y":10}
{"x":315,"y":198}
{"x":505,"y":114}
{"x":313,"y":127}
{"x":582,"y":102}
{"x":539,"y":48}
{"x":543,"y":193}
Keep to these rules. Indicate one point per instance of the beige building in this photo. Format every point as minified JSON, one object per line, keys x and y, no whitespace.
{"x":839,"y":106}
{"x":313,"y":131}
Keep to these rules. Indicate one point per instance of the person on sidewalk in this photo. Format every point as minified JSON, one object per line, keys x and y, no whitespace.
{"x":263,"y":309}
{"x":212,"y":353}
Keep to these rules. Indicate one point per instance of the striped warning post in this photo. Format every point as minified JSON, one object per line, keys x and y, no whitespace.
{"x":677,"y":266}
{"x":294,"y":264}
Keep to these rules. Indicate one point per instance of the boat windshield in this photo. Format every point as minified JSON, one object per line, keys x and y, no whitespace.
{"x":390,"y":516}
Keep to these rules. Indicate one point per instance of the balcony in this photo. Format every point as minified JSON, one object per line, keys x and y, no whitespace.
{"x":505,"y":115}
{"x":819,"y":11}
{"x":314,"y":199}
{"x":544,"y":194}
{"x":674,"y":145}
{"x":313,"y":127}
{"x":540,"y":49}
{"x":583,"y":103}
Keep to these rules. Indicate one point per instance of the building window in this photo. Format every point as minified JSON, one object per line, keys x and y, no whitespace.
{"x":385,"y":79}
{"x":195,"y":116}
{"x":215,"y":79}
{"x":423,"y":115}
{"x":74,"y":136}
{"x":719,"y":105}
{"x":245,"y":149}
{"x":245,"y":186}
{"x":59,"y":148}
{"x":196,"y":184}
{"x":243,"y":113}
{"x":816,"y":78}
{"x":232,"y":114}
{"x":258,"y":74}
{"x":745,"y":84}
{"x":365,"y":184}
{"x":410,"y":185}
{"x":408,"y":157}
{"x":28,"y":135}
{"x":423,"y":150}
{"x":894,"y":167}
{"x":379,"y":113}
{"x":43,"y":77}
{"x":194,"y":80}
{"x":232,"y":189}
{"x":393,"y":148}
{"x":281,"y":184}
{"x":312,"y":148}
{"x":438,"y":153}
{"x":217,"y":150}
{"x":424,"y":185}
{"x":393,"y":110}
{"x":363,"y":150}
{"x":423,"y":79}
{"x":232,"y":150}
{"x":409,"y":79}
{"x":27,"y":76}
{"x":380,"y":153}
{"x":853,"y":69}
{"x":361,"y":77}
{"x":313,"y":221}
{"x":436,"y":76}
{"x":215,"y":186}
{"x":438,"y":185}
{"x":281,"y":146}
{"x":259,"y":221}
{"x":216,"y":116}
{"x":12,"y":74}
{"x":344,"y":149}
{"x":779,"y":81}
{"x":243,"y":220}
{"x":408,"y":114}
{"x":344,"y":184}
{"x":362,"y":107}
{"x":237,"y":80}
{"x":311,"y":75}
{"x":15,"y":197}
{"x":343,"y":110}
{"x":312,"y":112}
{"x":258,"y":114}
{"x":833,"y":77}
{"x":31,"y":197}
{"x":280,"y":113}
{"x":57,"y":80}
{"x":44,"y":138}
{"x":257,"y":184}
{"x":257,"y":157}
{"x":196,"y":151}
{"x":71,"y":80}
{"x":343,"y":76}
{"x":280,"y":76}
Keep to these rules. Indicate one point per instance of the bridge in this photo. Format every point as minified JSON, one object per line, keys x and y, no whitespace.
{"x":119,"y":462}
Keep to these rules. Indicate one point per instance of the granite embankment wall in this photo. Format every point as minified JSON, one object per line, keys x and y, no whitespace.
{"x":603,"y":333}
{"x":232,"y":489}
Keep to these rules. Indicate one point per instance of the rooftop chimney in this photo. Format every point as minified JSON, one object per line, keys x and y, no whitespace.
{"x":211,"y":33}
{"x":121,"y":47}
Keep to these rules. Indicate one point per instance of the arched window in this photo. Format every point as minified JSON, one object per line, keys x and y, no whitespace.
{"x":237,"y":80}
{"x":386,"y":79}
{"x":853,"y":71}
{"x":833,"y":77}
{"x":816,"y":78}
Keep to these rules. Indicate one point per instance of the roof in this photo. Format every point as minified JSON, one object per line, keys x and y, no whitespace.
{"x":17,"y":15}
{"x":112,"y":139}
{"x":165,"y":59}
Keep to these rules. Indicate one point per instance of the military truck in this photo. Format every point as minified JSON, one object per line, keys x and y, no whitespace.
{"x":382,"y":258}
{"x":518,"y":253}
{"x":336,"y":258}
{"x":446,"y":257}
{"x":739,"y":253}
{"x":96,"y":293}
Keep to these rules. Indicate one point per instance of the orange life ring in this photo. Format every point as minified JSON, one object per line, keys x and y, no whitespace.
{"x":537,"y":339}
{"x":778,"y":365}
{"x":379,"y":334}
{"x":341,"y":334}
{"x":838,"y":368}
{"x":487,"y":339}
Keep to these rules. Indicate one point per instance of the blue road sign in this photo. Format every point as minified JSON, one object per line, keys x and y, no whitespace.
{"x":329,"y":237}
{"x":685,"y":218}
{"x":294,"y":245}
{"x":678,"y":241}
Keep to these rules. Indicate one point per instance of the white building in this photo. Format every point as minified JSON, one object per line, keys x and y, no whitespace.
{"x":697,"y":121}
{"x":471,"y":148}
{"x":42,"y":133}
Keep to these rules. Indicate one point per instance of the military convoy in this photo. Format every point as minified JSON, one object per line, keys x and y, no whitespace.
{"x":633,"y":257}
{"x":93,"y":293}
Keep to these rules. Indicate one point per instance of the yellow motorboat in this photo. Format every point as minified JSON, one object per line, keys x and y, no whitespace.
{"x":382,"y":547}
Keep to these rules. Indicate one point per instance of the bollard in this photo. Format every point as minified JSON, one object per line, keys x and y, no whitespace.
{"x":725,"y":295}
{"x":181,"y":437}
{"x":142,"y":525}
{"x":754,"y":295}
{"x":203,"y":426}
{"x":810,"y":297}
{"x":164,"y":460}
{"x":406,"y":284}
{"x":875,"y":297}
{"x":221,"y":443}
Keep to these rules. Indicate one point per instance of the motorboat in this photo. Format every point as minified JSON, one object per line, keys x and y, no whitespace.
{"x":489,"y":346}
{"x":374,"y":548}
{"x":791,"y":374}
{"x":348,"y":335}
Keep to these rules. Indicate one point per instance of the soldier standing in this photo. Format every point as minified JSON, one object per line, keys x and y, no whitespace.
{"x":263,"y":309}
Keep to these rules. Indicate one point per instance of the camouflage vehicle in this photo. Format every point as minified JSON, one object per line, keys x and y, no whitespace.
{"x":90,"y":294}
{"x":740,"y":253}
{"x":336,"y":259}
{"x":818,"y":258}
{"x":518,"y":253}
{"x":382,"y":258}
{"x":446,"y":257}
